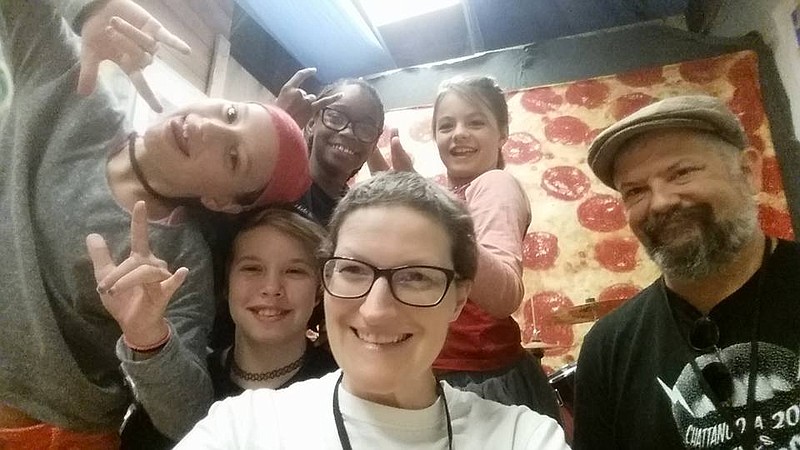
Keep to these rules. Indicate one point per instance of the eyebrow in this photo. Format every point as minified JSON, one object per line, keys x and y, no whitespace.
{"x":678,"y":163}
{"x":247,"y":258}
{"x":366,"y":119}
{"x":477,"y":113}
{"x":469,"y":116}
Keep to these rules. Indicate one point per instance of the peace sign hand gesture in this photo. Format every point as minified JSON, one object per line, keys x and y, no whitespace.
{"x":123,"y":32}
{"x":298,"y":103}
{"x":136,"y":291}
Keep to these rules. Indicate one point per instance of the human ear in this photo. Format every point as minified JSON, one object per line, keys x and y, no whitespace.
{"x":503,"y":140}
{"x":751,"y":164}
{"x":462,"y":292}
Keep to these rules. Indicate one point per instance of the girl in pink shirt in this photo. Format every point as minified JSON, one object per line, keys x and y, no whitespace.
{"x":483,"y":353}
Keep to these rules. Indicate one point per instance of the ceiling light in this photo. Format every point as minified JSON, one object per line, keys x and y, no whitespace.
{"x":382,"y":12}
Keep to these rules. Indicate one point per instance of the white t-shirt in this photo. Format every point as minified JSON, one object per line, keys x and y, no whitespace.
{"x":301,"y":417}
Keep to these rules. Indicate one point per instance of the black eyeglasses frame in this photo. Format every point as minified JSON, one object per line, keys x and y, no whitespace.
{"x":388,"y":273}
{"x":374,"y":131}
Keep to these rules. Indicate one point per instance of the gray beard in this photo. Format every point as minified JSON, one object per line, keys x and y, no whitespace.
{"x":706,"y":253}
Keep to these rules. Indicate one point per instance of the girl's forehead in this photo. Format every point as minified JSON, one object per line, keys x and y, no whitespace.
{"x":464,"y":102}
{"x":356,"y":102}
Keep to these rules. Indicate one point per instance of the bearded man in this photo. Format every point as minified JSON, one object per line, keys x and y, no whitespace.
{"x":707,"y":355}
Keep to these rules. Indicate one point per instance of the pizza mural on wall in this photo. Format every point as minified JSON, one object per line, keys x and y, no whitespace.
{"x":578,"y":246}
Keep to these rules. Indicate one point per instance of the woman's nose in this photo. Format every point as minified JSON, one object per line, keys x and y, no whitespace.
{"x":348,"y":131}
{"x":379,"y":303}
{"x":214,"y":129}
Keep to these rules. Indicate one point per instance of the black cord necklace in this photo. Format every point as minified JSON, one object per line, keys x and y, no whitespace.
{"x":265,"y":376}
{"x":345,"y":440}
{"x":744,"y":437}
{"x":137,"y":170}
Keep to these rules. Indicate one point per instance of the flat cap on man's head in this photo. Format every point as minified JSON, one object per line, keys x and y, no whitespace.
{"x":698,"y":112}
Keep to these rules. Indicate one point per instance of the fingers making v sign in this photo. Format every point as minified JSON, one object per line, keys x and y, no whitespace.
{"x":299,"y":104}
{"x":136,"y":291}
{"x":123,"y":32}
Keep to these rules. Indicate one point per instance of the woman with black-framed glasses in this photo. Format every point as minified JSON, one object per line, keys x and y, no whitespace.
{"x":398,"y":268}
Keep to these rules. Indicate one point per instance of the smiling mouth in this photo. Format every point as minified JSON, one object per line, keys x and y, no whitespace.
{"x":463,"y":151}
{"x":342,"y":149}
{"x":180,"y":134}
{"x":268,"y":313}
{"x":381,"y":339}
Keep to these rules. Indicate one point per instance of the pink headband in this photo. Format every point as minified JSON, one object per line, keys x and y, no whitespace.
{"x":290,"y":178}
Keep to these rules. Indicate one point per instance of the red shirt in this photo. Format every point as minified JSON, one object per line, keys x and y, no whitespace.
{"x":478,"y":340}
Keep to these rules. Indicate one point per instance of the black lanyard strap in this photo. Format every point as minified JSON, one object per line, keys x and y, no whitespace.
{"x":345,"y":440}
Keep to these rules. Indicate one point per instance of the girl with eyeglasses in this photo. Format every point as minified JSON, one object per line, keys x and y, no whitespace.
{"x":399,"y":264}
{"x":342,"y":126}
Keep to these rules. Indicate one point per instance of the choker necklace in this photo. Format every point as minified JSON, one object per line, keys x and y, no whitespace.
{"x":345,"y":440}
{"x":264,"y":376}
{"x":137,"y":170}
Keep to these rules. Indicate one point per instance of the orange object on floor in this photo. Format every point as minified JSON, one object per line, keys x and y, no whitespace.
{"x":49,"y":437}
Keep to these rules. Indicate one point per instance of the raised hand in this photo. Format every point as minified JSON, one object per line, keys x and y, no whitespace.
{"x":401,"y":160}
{"x":123,"y":32}
{"x":136,"y":291}
{"x":298,"y":103}
{"x":376,"y":162}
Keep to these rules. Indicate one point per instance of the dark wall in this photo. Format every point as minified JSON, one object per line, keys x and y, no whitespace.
{"x":605,"y":53}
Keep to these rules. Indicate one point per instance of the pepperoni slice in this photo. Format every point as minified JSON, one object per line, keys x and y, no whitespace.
{"x":565,"y":182}
{"x":771,"y":176}
{"x":775,"y":222}
{"x":700,"y":71}
{"x":421,"y":131}
{"x":746,"y":104}
{"x":541,"y":100}
{"x":587,"y":93}
{"x":522,"y":148}
{"x":756,"y":142}
{"x":743,"y":72}
{"x":593,"y":134}
{"x":617,"y":254}
{"x":567,"y":130}
{"x":628,"y":104}
{"x":544,"y":304}
{"x":619,"y":291}
{"x":539,"y":250}
{"x":602,"y":213}
{"x":642,"y":77}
